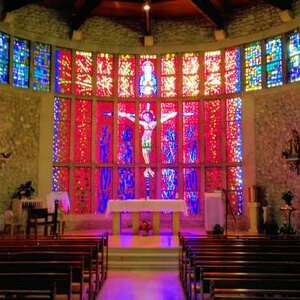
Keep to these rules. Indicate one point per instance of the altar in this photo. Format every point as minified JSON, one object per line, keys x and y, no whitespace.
{"x":155,"y":206}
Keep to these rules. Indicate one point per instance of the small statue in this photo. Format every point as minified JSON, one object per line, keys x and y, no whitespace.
{"x":292,"y":149}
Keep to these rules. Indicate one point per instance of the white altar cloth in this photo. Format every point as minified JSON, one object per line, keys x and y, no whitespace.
{"x":63,"y":197}
{"x":151,"y":205}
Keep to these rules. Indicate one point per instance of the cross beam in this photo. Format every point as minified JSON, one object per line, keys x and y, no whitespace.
{"x":210,"y":12}
{"x":83,"y":14}
{"x":281,"y":4}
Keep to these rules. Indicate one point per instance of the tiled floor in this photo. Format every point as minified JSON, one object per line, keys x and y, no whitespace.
{"x":142,"y":285}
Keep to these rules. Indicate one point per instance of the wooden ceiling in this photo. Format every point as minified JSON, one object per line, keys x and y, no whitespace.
{"x":215,"y":11}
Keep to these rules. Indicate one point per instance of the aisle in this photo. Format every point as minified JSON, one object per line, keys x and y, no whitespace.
{"x":141,"y":285}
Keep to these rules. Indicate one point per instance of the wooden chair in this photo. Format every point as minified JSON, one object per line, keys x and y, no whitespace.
{"x":39,"y":217}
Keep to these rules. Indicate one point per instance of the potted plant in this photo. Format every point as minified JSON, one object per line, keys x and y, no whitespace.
{"x":288,"y":197}
{"x":25,"y":190}
{"x":218,"y":230}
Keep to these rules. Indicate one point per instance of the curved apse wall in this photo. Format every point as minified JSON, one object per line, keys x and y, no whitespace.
{"x":220,"y":76}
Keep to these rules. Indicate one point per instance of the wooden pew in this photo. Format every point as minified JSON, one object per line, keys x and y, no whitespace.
{"x":35,"y":284}
{"x":260,"y":286}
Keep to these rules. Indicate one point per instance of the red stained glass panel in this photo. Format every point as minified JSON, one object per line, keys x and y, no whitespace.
{"x":81,"y":200}
{"x":83,"y":131}
{"x":104,"y":75}
{"x":213,"y":131}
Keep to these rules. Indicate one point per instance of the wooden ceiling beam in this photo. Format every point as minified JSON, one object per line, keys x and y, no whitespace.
{"x":281,"y":4}
{"x":84,"y":13}
{"x":210,"y":12}
{"x":10,"y":5}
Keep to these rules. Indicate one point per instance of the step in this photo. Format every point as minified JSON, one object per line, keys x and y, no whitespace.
{"x":139,"y":251}
{"x":142,"y":265}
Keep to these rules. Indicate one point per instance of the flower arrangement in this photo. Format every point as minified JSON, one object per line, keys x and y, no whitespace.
{"x":145,"y":226}
{"x":24,"y":190}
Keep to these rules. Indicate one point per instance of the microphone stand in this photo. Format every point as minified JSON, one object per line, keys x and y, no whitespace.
{"x":227,"y":206}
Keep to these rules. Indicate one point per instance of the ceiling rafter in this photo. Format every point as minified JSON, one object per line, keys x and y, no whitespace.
{"x":210,"y":12}
{"x":84,"y":13}
{"x":10,"y":5}
{"x":281,"y":4}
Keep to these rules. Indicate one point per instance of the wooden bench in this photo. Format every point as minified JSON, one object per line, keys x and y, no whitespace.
{"x":37,"y":284}
{"x":278,"y":288}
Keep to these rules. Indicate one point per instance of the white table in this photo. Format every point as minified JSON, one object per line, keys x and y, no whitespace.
{"x":156,"y":206}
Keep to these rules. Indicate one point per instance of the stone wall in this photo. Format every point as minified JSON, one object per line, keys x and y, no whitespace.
{"x":123,"y":32}
{"x":277,"y":113}
{"x":19,"y":134}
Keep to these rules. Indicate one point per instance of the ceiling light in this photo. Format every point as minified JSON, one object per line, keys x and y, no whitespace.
{"x":146,"y":6}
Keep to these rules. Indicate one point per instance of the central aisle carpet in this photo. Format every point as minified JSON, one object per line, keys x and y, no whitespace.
{"x":141,"y":285}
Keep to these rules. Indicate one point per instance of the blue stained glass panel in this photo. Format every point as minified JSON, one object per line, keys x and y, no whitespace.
{"x":126,"y":184}
{"x":293,"y":63}
{"x":192,"y":189}
{"x":103,"y":188}
{"x":21,"y":63}
{"x":274,"y":63}
{"x":41,"y":67}
{"x":4,"y":57}
{"x":169,"y":183}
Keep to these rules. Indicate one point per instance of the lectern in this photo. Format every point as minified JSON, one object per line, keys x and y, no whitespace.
{"x":214,"y":210}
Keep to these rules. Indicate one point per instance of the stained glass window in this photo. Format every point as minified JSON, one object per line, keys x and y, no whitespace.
{"x":83,"y":131}
{"x":190,"y":77}
{"x":83,"y":73}
{"x":41,"y":67}
{"x":4,"y":57}
{"x":147,"y":76}
{"x":21,"y":63}
{"x":213,"y":179}
{"x":104,"y":75}
{"x":235,"y":186}
{"x":212,"y":73}
{"x":60,"y":179}
{"x":103,"y":182}
{"x":63,"y":71}
{"x":293,"y":63}
{"x":145,"y":147}
{"x":169,"y":183}
{"x":253,"y":68}
{"x":126,"y":183}
{"x":212,"y":131}
{"x":274,"y":62}
{"x":61,"y":130}
{"x":232,"y":70}
{"x":191,"y":134}
{"x":191,"y":193}
{"x":104,"y":132}
{"x":169,"y":133}
{"x":168,"y":75}
{"x":126,"y":76}
{"x":82,"y":190}
{"x":126,"y":136}
{"x":234,"y":129}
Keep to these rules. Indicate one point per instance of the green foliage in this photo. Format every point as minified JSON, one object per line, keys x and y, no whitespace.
{"x":287,"y":197}
{"x":24,"y":190}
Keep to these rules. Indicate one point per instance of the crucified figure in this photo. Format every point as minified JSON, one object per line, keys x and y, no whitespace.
{"x":149,"y":123}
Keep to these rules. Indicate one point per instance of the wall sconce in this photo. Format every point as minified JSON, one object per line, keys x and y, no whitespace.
{"x":291,"y":152}
{"x":4,"y":157}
